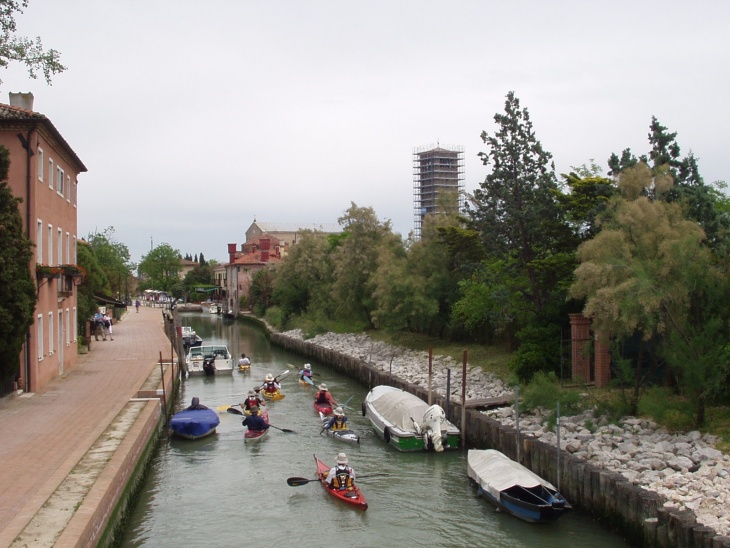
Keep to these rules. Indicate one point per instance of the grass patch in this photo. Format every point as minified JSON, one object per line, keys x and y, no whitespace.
{"x":718,"y":424}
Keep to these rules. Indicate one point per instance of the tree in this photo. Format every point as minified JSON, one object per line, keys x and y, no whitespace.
{"x":95,"y":282}
{"x":261,"y":291}
{"x":17,"y":288}
{"x":114,"y":259}
{"x":636,"y":275}
{"x":515,"y":208}
{"x":27,"y":51}
{"x":162,"y":267}
{"x":355,"y":260}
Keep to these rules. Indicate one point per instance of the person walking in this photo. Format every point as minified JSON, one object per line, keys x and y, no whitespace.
{"x":136,"y":305}
{"x":108,"y":325}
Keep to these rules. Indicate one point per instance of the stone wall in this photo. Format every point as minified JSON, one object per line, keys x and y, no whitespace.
{"x":634,"y":511}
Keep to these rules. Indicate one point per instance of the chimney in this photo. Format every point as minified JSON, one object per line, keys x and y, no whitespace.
{"x":22,"y":100}
{"x":264,"y":255}
{"x":231,"y":252}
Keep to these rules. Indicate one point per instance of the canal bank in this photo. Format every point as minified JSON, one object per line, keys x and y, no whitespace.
{"x":74,"y":452}
{"x":608,"y":496}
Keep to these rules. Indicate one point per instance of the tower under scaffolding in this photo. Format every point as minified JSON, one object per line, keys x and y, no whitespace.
{"x":435,"y":169}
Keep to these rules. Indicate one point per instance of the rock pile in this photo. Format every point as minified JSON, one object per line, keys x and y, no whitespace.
{"x":685,"y":468}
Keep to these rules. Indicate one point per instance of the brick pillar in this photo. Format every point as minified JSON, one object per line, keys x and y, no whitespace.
{"x":602,"y":359}
{"x":580,"y":334}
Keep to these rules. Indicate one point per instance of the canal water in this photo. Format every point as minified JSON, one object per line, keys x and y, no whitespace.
{"x":220,"y":491}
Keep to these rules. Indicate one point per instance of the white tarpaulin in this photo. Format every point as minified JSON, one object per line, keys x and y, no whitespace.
{"x":397,"y":407}
{"x":495,"y":472}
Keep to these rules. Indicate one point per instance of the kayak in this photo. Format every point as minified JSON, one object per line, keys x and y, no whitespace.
{"x":245,"y":367}
{"x":256,"y":435}
{"x":324,"y":408}
{"x":353,"y":497}
{"x":275,"y":396}
{"x":342,"y":435}
{"x":306,"y":381}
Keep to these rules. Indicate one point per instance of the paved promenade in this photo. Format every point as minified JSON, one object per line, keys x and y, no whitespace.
{"x":63,"y":448}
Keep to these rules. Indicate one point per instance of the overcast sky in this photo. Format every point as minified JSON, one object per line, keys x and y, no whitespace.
{"x":195,"y":117}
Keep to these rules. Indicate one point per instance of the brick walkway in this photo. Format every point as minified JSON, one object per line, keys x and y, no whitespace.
{"x":46,"y":434}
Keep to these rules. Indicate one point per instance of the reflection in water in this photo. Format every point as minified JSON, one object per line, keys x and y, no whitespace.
{"x":220,"y":491}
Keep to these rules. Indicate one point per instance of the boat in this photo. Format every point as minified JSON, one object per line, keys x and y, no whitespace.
{"x":513,"y":488}
{"x":305,"y":381}
{"x":215,"y":308}
{"x":229,"y":315}
{"x":213,"y":359}
{"x":193,"y":424}
{"x":347,"y":435}
{"x":190,"y":338}
{"x":353,"y":497}
{"x":393,"y":413}
{"x":244,"y":367}
{"x":274,"y":396}
{"x":324,"y":408}
{"x":256,"y":435}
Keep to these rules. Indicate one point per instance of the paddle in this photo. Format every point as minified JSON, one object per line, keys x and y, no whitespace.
{"x":348,"y":401}
{"x":279,"y":377}
{"x":296,"y":482}
{"x":237,"y":412}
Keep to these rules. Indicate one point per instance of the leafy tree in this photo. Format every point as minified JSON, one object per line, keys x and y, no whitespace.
{"x":27,"y":51}
{"x":261,"y":291}
{"x":162,"y":267}
{"x":635,"y":273}
{"x":114,"y":259}
{"x":202,"y":260}
{"x":354,"y":262}
{"x":515,"y":208}
{"x":303,"y":281}
{"x":17,"y":288}
{"x":95,"y":282}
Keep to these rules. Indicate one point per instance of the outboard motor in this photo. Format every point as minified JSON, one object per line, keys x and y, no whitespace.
{"x":433,"y":419}
{"x":209,"y":366}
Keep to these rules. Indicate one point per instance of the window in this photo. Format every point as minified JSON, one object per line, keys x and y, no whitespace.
{"x":59,"y":180}
{"x":76,"y":190}
{"x":39,"y":241}
{"x":61,"y":325}
{"x":60,"y":246}
{"x":73,"y":257}
{"x":39,"y":324}
{"x":68,"y":188}
{"x":68,"y":329}
{"x":41,"y":164}
{"x":50,"y":172}
{"x":50,"y":333}
{"x":50,"y":245}
{"x":68,"y":249}
{"x":76,"y":324}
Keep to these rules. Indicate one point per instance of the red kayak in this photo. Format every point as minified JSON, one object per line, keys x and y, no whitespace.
{"x":324,"y":408}
{"x":256,"y":435}
{"x":353,"y":497}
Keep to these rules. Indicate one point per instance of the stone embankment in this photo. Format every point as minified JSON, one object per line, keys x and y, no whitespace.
{"x":684,"y":469}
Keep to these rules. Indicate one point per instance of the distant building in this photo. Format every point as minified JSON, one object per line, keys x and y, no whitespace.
{"x":44,"y":172}
{"x":186,"y":265}
{"x":266,"y":245}
{"x":435,"y":168}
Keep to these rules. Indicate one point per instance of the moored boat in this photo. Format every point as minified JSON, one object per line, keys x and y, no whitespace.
{"x":190,"y":338}
{"x":193,"y":424}
{"x":514,"y":488}
{"x":346,"y":434}
{"x":393,"y":414}
{"x":207,"y":360}
{"x":352,"y":497}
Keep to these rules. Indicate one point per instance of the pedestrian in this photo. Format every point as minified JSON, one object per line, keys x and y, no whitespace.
{"x":136,"y":305}
{"x":99,"y":325}
{"x":108,"y":325}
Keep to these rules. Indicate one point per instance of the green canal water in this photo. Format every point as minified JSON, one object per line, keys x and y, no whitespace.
{"x":220,"y":491}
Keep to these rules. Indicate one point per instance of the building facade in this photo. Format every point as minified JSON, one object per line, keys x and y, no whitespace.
{"x":44,"y":172}
{"x":435,"y":169}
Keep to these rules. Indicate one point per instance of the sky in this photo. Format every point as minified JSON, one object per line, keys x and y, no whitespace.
{"x":195,"y":118}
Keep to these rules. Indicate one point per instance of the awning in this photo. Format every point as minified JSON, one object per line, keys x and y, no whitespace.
{"x":108,"y":301}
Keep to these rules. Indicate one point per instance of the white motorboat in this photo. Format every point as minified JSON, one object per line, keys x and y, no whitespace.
{"x":212,"y":359}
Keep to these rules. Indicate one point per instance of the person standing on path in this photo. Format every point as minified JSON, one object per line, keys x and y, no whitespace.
{"x":136,"y":305}
{"x":108,"y":325}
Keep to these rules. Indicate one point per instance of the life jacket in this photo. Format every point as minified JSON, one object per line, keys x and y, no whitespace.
{"x":270,"y":387}
{"x":340,"y":424}
{"x":342,"y":479}
{"x":251,"y":401}
{"x":321,"y":397}
{"x":307,"y":373}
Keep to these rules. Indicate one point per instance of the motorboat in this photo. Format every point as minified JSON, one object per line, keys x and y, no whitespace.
{"x":212,"y":359}
{"x":406,"y":422}
{"x":513,"y":488}
{"x":190,"y":338}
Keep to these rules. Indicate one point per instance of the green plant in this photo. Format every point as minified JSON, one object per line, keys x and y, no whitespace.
{"x":670,"y":410}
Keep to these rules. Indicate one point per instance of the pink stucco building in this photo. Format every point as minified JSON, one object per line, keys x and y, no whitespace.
{"x":44,"y":172}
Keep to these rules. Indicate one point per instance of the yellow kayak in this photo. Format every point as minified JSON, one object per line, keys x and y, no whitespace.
{"x":275,"y":396}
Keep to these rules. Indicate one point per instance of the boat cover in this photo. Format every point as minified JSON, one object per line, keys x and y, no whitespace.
{"x":397,"y":407}
{"x":194,"y":422}
{"x":495,"y":472}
